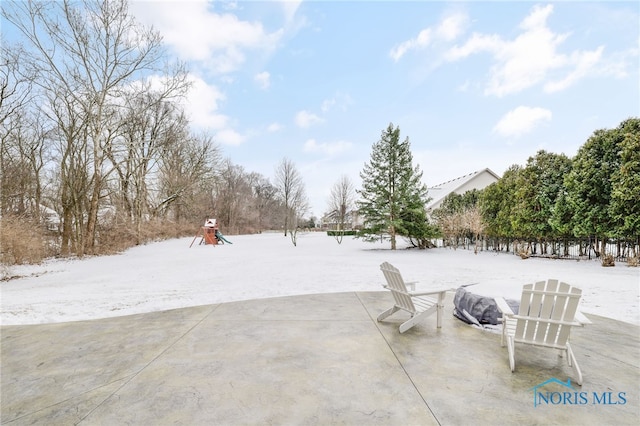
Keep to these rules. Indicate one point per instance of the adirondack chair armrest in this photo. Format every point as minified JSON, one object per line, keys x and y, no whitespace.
{"x":582,"y":319}
{"x":413,"y":293}
{"x":386,"y":287}
{"x":547,"y":321}
{"x":411,"y":285}
{"x":503,"y":306}
{"x":430,"y":291}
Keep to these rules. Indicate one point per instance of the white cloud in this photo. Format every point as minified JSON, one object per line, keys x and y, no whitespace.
{"x":452,"y":26}
{"x":229,"y":137}
{"x":306,"y":119}
{"x":274,"y":127}
{"x":327,"y":148}
{"x":619,"y":63}
{"x":521,"y":120}
{"x":230,"y":5}
{"x":584,"y":63}
{"x":530,"y":58}
{"x":464,"y":87}
{"x":475,"y":44}
{"x":422,"y":40}
{"x":449,"y":28}
{"x":202,"y":103}
{"x":339,"y":101}
{"x":201,"y":107}
{"x":161,"y":84}
{"x":196,"y":33}
{"x":290,"y":8}
{"x":537,"y":18}
{"x":263,"y":79}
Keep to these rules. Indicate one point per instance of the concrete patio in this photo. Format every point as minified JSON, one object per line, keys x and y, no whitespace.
{"x":305,"y":360}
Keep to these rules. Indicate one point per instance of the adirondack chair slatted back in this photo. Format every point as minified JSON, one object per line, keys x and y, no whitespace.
{"x":396,"y":284}
{"x":547,"y":312}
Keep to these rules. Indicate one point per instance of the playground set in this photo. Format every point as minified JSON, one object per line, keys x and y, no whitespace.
{"x":209,"y":234}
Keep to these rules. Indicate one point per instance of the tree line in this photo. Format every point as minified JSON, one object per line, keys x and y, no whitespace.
{"x":594,"y":196}
{"x":96,"y":151}
{"x":94,"y":137}
{"x":551,"y":202}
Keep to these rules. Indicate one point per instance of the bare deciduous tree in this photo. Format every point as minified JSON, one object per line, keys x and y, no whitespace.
{"x":341,"y":204}
{"x":291,"y":191}
{"x":91,"y":94}
{"x":15,"y":85}
{"x":232,"y":193}
{"x":473,"y":223}
{"x":71,"y":152}
{"x":91,"y":50}
{"x":147,"y":124}
{"x":16,"y":125}
{"x":264,"y":202}
{"x":187,"y":172}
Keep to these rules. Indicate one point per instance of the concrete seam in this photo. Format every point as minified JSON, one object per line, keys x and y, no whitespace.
{"x":375,"y":322}
{"x":134,"y":375}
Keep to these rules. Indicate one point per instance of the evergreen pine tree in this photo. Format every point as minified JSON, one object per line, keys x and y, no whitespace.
{"x":393,"y":197}
{"x":625,"y":183}
{"x":589,"y":185}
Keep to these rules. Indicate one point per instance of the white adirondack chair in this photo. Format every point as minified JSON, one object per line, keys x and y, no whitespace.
{"x":419,"y":304}
{"x":547,"y":312}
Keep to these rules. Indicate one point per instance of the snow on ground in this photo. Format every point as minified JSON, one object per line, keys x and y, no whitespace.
{"x":169,"y":274}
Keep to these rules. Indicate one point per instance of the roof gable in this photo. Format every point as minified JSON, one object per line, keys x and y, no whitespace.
{"x":477,"y":180}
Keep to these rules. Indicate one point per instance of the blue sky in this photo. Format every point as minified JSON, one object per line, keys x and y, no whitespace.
{"x":472,"y":84}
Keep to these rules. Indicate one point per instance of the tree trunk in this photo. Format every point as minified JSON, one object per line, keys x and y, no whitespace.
{"x":392,"y":232}
{"x":65,"y":244}
{"x":92,"y":214}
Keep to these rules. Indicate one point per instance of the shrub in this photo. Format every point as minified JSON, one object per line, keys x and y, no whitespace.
{"x":115,"y":238}
{"x":21,"y":241}
{"x":337,"y":233}
{"x":608,"y":260}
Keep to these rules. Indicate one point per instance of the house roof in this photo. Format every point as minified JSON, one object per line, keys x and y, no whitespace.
{"x":553,"y":380}
{"x":439,"y":192}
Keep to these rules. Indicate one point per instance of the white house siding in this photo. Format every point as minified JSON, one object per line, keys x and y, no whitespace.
{"x":476,"y":180}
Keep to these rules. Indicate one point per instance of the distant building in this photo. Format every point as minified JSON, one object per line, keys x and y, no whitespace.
{"x":476,"y":180}
{"x":51,"y":218}
{"x":352,"y":221}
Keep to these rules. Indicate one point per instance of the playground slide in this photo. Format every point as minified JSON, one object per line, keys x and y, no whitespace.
{"x":222,"y":238}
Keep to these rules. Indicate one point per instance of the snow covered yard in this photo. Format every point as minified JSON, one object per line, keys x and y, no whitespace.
{"x":169,"y":274}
